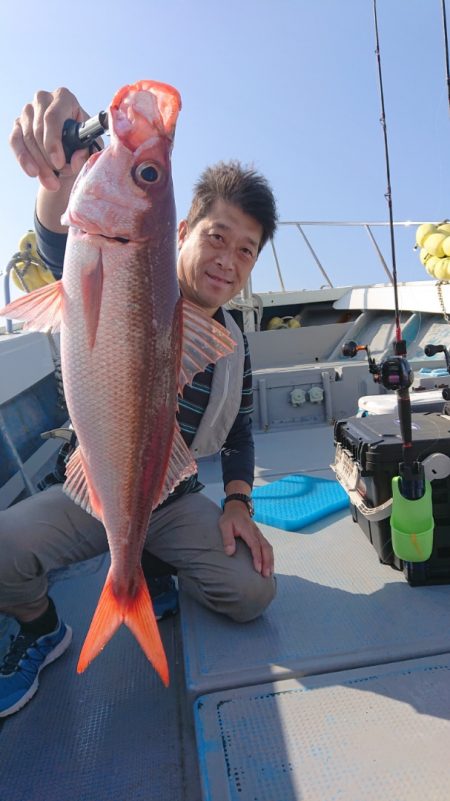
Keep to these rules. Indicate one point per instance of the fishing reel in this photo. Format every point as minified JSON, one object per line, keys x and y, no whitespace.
{"x":394,"y":372}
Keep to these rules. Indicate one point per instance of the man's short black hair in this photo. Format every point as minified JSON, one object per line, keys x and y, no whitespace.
{"x":242,"y":186}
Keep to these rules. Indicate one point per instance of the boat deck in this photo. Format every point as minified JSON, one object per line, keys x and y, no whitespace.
{"x":339,"y":691}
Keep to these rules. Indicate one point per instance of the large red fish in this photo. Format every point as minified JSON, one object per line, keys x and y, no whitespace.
{"x":129,"y":344}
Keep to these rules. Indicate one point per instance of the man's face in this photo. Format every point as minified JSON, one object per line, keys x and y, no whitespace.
{"x":216,"y":257}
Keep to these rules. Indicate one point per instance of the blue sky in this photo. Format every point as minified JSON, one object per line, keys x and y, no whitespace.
{"x":287,"y":85}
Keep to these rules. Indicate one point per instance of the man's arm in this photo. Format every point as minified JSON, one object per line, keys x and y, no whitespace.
{"x":238,"y":459}
{"x":50,"y":206}
{"x":51,"y":247}
{"x":238,"y":462}
{"x":238,"y":455}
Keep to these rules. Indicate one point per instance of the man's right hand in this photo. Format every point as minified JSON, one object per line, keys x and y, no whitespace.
{"x":36,"y":138}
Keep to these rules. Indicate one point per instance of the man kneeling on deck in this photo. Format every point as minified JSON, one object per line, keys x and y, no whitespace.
{"x":221,"y":557}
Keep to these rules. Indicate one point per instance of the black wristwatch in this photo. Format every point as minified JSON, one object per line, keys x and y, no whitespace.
{"x":239,"y":496}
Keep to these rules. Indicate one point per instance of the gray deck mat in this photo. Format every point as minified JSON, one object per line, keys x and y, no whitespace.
{"x":278,"y":453}
{"x":336,"y":607}
{"x":111,"y":734}
{"x":360,"y":735}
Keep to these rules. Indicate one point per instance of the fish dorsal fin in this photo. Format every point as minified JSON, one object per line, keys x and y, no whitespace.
{"x":41,"y":310}
{"x":78,"y":487}
{"x":181,"y":466}
{"x":203,"y":341}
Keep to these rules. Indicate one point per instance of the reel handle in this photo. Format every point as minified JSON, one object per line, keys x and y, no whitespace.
{"x":431,"y":350}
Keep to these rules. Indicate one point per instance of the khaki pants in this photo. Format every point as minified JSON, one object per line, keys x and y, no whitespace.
{"x":48,"y":530}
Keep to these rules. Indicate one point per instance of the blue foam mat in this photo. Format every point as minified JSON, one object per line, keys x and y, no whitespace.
{"x":297,"y":500}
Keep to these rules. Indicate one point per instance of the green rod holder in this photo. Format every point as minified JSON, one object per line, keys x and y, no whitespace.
{"x":412,"y":524}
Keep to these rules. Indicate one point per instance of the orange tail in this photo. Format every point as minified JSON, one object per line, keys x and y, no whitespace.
{"x":137,"y":613}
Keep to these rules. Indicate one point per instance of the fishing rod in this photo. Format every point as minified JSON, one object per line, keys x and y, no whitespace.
{"x":447,"y":63}
{"x":412,"y":522}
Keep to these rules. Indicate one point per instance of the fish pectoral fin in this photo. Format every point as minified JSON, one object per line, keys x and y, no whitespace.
{"x":137,"y":613}
{"x":203,"y":341}
{"x":79,"y":487}
{"x":181,"y":465}
{"x":41,"y":310}
{"x":91,"y":291}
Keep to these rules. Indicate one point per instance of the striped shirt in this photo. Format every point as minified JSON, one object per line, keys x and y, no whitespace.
{"x":237,"y":453}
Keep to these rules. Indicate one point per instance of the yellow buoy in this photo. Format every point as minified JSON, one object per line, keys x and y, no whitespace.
{"x":440,"y":269}
{"x":425,"y":256}
{"x":433,"y":243}
{"x":423,"y":231}
{"x":29,"y":271}
{"x":28,"y":243}
{"x":444,"y":270}
{"x":431,"y":265}
{"x":275,"y":323}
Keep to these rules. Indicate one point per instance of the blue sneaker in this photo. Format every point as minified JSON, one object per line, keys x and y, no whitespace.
{"x":27,"y":655}
{"x":164,"y":595}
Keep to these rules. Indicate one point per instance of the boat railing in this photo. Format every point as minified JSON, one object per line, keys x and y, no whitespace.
{"x":250,"y":304}
{"x":300,"y":225}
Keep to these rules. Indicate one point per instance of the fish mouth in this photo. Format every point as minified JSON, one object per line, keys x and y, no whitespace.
{"x":90,"y":234}
{"x":87,"y":229}
{"x":120,"y":239}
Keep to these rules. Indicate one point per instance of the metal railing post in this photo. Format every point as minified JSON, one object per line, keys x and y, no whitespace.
{"x":6,"y":291}
{"x":278,"y":265}
{"x":248,"y":314}
{"x":314,"y":255}
{"x":379,"y":253}
{"x":14,"y":453}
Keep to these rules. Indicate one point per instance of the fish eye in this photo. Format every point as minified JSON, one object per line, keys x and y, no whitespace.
{"x":147,"y":172}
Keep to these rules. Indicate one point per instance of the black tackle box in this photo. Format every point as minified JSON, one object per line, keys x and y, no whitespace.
{"x":371,"y":447}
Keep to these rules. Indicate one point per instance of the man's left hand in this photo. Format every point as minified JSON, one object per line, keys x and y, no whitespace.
{"x":236,"y":522}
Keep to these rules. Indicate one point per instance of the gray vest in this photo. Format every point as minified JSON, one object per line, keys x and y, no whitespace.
{"x":225,"y":398}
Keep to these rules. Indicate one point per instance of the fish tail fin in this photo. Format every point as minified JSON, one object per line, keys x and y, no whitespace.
{"x":108,"y":616}
{"x":137,"y":613}
{"x":140,"y":619}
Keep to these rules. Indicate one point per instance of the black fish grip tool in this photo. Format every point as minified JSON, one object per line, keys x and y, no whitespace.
{"x":77,"y":135}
